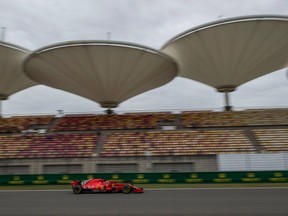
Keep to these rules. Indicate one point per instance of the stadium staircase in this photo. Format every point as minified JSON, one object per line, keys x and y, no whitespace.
{"x":253,"y":140}
{"x":101,"y":141}
{"x":53,"y":124}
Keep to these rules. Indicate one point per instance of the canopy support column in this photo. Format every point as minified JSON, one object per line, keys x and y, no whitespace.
{"x":1,"y":109}
{"x":227,"y":107}
{"x":226,"y":89}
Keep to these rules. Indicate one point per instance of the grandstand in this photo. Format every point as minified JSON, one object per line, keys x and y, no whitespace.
{"x":110,"y":72}
{"x":137,"y":142}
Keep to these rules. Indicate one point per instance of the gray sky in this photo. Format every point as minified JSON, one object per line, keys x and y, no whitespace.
{"x":36,"y":23}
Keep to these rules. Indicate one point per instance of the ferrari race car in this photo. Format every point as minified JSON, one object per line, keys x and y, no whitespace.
{"x":101,"y":185}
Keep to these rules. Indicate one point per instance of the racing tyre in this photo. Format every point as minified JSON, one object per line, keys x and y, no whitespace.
{"x":126,"y":189}
{"x":77,"y":189}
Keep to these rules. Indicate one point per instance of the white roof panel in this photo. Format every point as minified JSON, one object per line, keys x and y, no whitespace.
{"x":104,"y":71}
{"x":228,"y":53}
{"x":12,"y":77}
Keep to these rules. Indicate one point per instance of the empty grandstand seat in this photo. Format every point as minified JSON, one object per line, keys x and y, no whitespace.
{"x":272,"y":140}
{"x":111,"y":122}
{"x":47,"y":146}
{"x":164,"y":143}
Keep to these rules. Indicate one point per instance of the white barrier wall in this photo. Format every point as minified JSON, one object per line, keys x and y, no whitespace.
{"x":255,"y":162}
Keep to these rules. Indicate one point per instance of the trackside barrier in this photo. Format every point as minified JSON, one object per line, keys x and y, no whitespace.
{"x":152,"y":178}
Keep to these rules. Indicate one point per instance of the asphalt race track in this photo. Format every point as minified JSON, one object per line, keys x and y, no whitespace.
{"x":194,"y":202}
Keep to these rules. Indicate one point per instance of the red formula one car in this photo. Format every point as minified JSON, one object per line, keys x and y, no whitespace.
{"x":101,"y":185}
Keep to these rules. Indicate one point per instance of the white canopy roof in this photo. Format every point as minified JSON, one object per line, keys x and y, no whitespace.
{"x":231,"y":52}
{"x":12,"y":77}
{"x":104,"y":71}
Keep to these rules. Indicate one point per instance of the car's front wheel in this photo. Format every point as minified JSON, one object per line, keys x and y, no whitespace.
{"x":126,"y":189}
{"x":77,"y":189}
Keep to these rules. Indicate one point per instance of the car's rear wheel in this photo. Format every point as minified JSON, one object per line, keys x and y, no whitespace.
{"x":126,"y":189}
{"x":77,"y":189}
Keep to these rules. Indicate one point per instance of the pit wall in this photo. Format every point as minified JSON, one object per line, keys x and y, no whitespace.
{"x":152,"y":178}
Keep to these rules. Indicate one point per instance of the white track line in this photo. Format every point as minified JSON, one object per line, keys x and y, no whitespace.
{"x":244,"y":188}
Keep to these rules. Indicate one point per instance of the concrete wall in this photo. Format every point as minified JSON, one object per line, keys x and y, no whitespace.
{"x":116,"y":164}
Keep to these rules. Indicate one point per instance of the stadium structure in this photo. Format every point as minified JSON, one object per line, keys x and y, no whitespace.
{"x":223,"y":54}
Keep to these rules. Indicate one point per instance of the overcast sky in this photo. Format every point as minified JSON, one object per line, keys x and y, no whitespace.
{"x":36,"y":23}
